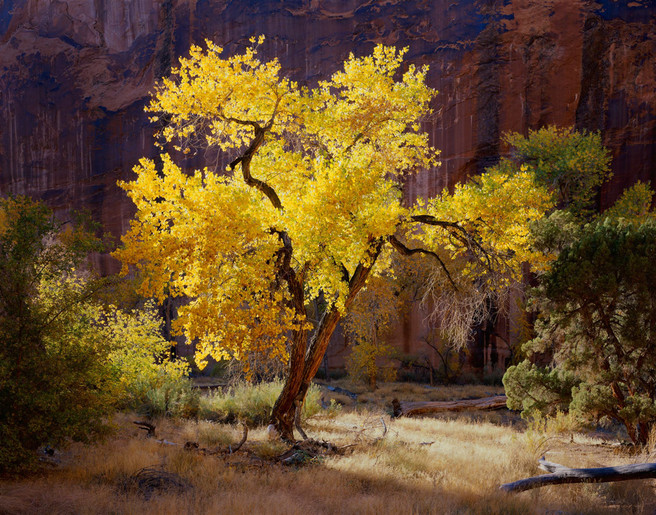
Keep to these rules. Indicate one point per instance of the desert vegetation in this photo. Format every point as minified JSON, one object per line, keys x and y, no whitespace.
{"x":450,"y":464}
{"x":306,"y":229}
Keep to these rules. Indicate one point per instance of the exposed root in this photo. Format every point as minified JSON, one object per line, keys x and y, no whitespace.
{"x":308,"y":451}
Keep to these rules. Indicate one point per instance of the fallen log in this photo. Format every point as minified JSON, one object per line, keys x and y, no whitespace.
{"x":406,"y":409}
{"x":342,"y":391}
{"x":560,"y":474}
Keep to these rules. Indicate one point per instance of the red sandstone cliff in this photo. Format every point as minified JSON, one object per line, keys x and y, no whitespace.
{"x":75,"y":75}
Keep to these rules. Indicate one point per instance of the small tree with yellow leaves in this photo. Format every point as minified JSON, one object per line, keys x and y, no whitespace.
{"x":310,"y":204}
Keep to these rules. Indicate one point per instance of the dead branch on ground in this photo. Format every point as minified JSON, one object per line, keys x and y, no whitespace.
{"x":560,"y":474}
{"x":193,"y":446}
{"x":407,"y":409}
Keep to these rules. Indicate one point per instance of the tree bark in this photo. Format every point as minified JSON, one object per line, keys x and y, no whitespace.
{"x":301,"y":372}
{"x":559,"y":474}
{"x":284,"y":409}
{"x":304,"y":367}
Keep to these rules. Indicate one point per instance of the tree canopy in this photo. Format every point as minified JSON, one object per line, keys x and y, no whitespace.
{"x":310,"y":204}
{"x":573,"y":164}
{"x":597,"y":317}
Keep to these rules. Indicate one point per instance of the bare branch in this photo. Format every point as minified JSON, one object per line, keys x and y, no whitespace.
{"x":464,"y":236}
{"x":244,"y":436}
{"x":400,"y":247}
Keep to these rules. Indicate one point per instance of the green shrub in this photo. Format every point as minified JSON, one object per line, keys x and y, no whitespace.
{"x":252,"y":404}
{"x":597,"y":316}
{"x":174,"y":398}
{"x":66,"y":361}
{"x":53,"y":384}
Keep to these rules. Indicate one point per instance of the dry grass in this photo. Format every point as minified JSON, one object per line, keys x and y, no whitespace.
{"x":382,"y":396}
{"x":429,"y":465}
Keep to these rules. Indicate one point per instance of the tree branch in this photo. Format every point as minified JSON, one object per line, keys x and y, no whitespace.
{"x":457,"y":231}
{"x":401,"y":248}
{"x":247,"y":156}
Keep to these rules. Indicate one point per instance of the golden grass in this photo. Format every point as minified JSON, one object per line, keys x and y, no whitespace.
{"x":385,"y":392}
{"x":428,"y":465}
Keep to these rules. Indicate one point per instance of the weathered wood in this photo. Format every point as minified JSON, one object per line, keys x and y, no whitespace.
{"x":146,"y":426}
{"x":419,"y":408}
{"x":244,"y":436}
{"x":560,"y":474}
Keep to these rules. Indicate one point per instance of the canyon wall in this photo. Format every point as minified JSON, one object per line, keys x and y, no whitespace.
{"x":75,"y":76}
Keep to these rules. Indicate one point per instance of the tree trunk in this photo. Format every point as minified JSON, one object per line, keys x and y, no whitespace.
{"x":284,"y":409}
{"x":303,"y":367}
{"x":301,"y":373}
{"x":560,"y":474}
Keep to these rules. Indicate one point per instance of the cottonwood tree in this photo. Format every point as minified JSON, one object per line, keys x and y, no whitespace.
{"x":573,"y":164}
{"x":310,"y":204}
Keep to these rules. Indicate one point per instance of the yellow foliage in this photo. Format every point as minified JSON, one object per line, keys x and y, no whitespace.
{"x":127,"y":342}
{"x":497,"y":207}
{"x":4,"y":222}
{"x":634,"y":204}
{"x":332,"y":155}
{"x":366,"y":362}
{"x":141,"y":357}
{"x":318,"y":190}
{"x":371,"y":317}
{"x":375,"y":309}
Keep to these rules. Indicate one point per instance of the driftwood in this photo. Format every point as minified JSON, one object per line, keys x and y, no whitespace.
{"x":407,"y":409}
{"x":559,"y":474}
{"x":308,"y":451}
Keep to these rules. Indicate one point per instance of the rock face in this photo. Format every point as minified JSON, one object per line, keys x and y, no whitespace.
{"x":75,"y":76}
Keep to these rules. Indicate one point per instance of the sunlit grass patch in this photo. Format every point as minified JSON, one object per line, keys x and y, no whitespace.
{"x":386,"y":466}
{"x":252,"y":404}
{"x":210,"y":434}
